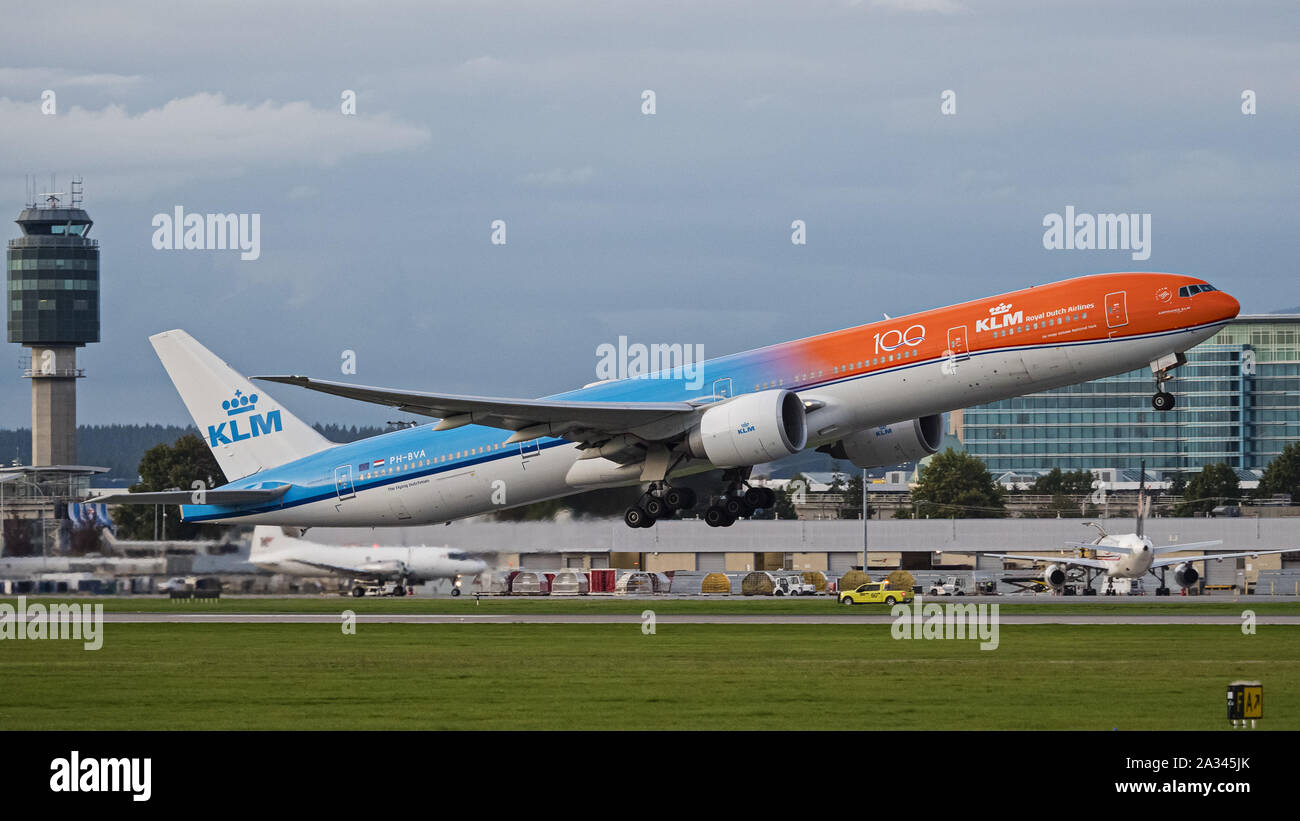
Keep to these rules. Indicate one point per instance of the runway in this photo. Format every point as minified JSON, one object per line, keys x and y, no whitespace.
{"x":666,"y":619}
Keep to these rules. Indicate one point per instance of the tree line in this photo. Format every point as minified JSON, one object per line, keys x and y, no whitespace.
{"x":120,"y":448}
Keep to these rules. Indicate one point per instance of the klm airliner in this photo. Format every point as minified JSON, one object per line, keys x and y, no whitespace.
{"x":872,"y":395}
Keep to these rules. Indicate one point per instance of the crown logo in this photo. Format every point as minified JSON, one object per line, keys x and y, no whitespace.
{"x":1000,"y":309}
{"x":241,"y":403}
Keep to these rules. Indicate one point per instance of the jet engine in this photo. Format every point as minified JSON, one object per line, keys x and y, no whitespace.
{"x":1054,"y":575}
{"x":750,"y":429}
{"x":1185,"y":574}
{"x":891,"y":444}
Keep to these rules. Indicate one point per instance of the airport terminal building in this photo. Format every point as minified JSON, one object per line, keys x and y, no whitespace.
{"x":1238,"y":401}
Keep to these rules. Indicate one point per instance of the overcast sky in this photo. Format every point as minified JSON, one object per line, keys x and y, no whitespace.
{"x":671,"y":227}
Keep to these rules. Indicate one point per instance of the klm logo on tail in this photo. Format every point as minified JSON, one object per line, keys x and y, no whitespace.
{"x":257,"y":423}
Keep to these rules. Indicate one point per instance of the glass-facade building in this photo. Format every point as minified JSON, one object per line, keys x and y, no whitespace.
{"x":1238,"y":401}
{"x":53,"y":279}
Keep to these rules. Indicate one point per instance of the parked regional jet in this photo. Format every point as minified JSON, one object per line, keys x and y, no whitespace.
{"x":1130,"y":556}
{"x":280,"y":552}
{"x":872,"y":395}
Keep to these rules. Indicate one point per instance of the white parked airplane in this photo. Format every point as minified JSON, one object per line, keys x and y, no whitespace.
{"x":280,"y":552}
{"x":1130,"y":556}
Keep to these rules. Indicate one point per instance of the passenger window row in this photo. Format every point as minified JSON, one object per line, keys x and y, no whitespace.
{"x":420,"y":463}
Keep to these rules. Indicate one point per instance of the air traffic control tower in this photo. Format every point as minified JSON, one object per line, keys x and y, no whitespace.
{"x":53,"y":309}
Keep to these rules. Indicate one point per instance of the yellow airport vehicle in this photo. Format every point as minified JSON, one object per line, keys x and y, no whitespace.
{"x":874,"y":593}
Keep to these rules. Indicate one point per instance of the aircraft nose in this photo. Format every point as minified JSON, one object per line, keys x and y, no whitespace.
{"x":1231,"y":307}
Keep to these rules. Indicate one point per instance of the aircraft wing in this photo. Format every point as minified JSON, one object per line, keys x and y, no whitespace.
{"x":1096,"y":563}
{"x":1217,"y":556}
{"x":529,"y":418}
{"x":356,"y":572}
{"x":219,"y":496}
{"x":1186,"y":546}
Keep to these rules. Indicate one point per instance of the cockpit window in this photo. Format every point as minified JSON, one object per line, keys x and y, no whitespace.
{"x":1191,"y":290}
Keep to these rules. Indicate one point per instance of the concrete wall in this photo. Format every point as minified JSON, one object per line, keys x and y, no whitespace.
{"x":740,"y":561}
{"x":748,"y":537}
{"x":663,"y":562}
{"x":625,"y":559}
{"x":54,"y":408}
{"x":809,"y":561}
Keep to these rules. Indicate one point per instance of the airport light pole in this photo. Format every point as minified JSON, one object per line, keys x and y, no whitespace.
{"x":864,"y":520}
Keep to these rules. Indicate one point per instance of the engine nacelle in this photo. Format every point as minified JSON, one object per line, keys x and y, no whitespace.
{"x":751,"y":429}
{"x":891,"y":444}
{"x":1185,"y":574}
{"x":1054,"y":575}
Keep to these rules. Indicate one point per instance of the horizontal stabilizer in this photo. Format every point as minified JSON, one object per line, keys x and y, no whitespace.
{"x":1105,"y":548}
{"x":232,"y":496}
{"x":1165,"y":548}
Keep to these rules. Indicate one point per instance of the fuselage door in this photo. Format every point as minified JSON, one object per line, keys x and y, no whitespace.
{"x":1116,"y":309}
{"x":957,"y":342}
{"x":722,"y":388}
{"x":530,"y":449}
{"x":343,"y":482}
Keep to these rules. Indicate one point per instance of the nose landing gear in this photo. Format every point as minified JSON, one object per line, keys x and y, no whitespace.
{"x":1161,"y":368}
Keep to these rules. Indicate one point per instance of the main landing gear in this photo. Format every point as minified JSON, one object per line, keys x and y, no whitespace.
{"x":1163,"y":589}
{"x":737,"y":501}
{"x":659,"y":502}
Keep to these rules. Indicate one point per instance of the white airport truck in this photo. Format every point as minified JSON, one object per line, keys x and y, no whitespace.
{"x":792,"y":585}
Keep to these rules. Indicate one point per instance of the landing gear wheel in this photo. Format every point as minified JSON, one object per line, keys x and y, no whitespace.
{"x":455,"y":591}
{"x":358,"y":592}
{"x":679,"y":498}
{"x":636,"y":517}
{"x":717,"y":516}
{"x":754,"y":497}
{"x":1163,"y":401}
{"x":657,"y":508}
{"x":737,"y":508}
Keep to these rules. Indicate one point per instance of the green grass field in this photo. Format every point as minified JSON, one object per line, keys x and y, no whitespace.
{"x":718,"y":605}
{"x":758,"y":677}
